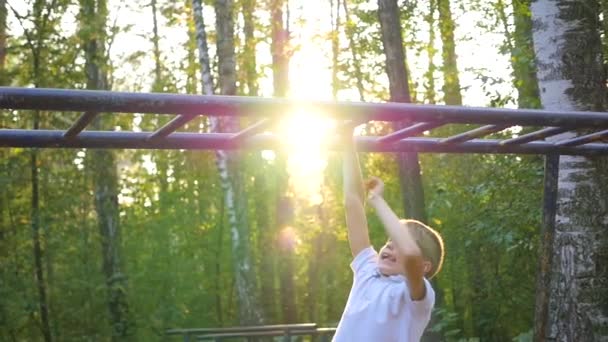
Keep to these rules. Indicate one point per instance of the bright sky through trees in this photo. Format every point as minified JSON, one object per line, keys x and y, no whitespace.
{"x":310,"y":72}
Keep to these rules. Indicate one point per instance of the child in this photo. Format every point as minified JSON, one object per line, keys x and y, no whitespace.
{"x":390,"y":299}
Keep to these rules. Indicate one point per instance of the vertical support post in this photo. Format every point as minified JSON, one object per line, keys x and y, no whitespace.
{"x":543,"y":275}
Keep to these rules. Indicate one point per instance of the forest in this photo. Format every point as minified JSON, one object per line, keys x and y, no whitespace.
{"x":123,"y":244}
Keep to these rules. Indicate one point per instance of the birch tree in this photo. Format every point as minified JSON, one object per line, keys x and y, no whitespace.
{"x":571,"y":77}
{"x":227,"y":163}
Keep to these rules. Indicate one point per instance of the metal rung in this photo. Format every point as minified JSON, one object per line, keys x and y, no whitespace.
{"x":171,"y":126}
{"x":584,"y":139}
{"x":537,"y":135}
{"x":409,"y":131}
{"x":474,"y":133}
{"x":80,"y":124}
{"x":251,"y":130}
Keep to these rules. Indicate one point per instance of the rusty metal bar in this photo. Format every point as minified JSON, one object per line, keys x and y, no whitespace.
{"x":536,"y":135}
{"x":584,"y":139}
{"x":410,"y":131}
{"x":80,"y":124}
{"x":122,"y":102}
{"x":223,"y":141}
{"x":474,"y":133}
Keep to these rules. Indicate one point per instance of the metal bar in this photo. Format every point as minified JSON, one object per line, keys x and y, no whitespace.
{"x":80,"y":124}
{"x":584,"y":139}
{"x":295,"y":326}
{"x":223,"y":141}
{"x":537,"y":135}
{"x":107,"y":101}
{"x":251,"y":130}
{"x":543,"y":275}
{"x":171,"y":126}
{"x":409,"y":131}
{"x":474,"y":133}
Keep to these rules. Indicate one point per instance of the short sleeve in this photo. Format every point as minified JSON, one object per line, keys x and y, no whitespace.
{"x":422,"y":308}
{"x":365,"y":262}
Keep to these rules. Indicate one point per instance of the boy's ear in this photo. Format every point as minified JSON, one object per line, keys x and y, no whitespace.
{"x":427,"y":266}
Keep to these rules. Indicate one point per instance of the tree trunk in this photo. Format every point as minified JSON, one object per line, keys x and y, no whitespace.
{"x":157,"y":86}
{"x":521,"y":48}
{"x":103,"y":168}
{"x":37,"y":46}
{"x":429,"y":75}
{"x":280,"y":56}
{"x":266,"y":230}
{"x":571,"y":77}
{"x":284,"y":215}
{"x":249,"y":55}
{"x":604,"y":6}
{"x":522,"y":58}
{"x":3,"y":15}
{"x":409,"y":167}
{"x":451,"y":82}
{"x":335,"y":46}
{"x":227,"y":163}
{"x":35,"y":216}
{"x":3,"y":222}
{"x":350,"y":34}
{"x":192,"y":66}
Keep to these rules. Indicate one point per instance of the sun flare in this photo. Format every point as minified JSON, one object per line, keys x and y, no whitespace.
{"x":306,"y":136}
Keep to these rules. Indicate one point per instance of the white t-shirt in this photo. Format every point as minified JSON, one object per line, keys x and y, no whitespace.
{"x":380,"y":308}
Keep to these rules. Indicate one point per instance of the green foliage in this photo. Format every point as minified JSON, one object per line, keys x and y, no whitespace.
{"x":175,"y":232}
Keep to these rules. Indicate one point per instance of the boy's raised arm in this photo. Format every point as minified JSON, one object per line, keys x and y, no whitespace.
{"x":414,"y":268}
{"x":354,"y":198}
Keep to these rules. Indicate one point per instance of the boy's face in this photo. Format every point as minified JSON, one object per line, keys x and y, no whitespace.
{"x":392,"y":262}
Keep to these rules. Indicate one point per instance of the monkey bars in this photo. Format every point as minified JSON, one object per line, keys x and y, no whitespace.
{"x":591,"y":127}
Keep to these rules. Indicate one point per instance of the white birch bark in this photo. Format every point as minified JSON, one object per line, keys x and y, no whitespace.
{"x":570,"y":76}
{"x":248,"y":310}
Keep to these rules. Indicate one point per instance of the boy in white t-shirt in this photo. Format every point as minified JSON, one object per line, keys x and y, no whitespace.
{"x":391,"y":299}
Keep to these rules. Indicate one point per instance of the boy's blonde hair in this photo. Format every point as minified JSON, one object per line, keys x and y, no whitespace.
{"x":429,"y":242}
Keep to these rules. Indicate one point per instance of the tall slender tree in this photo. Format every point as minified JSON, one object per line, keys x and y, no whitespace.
{"x":451,"y":82}
{"x":429,"y":75}
{"x":3,"y":16}
{"x":521,"y":48}
{"x":285,"y":206}
{"x":335,"y":46}
{"x":249,"y":50}
{"x":572,"y":77}
{"x":3,"y":221}
{"x":349,"y":30}
{"x":102,"y":165}
{"x":280,"y":55}
{"x":409,"y":166}
{"x":36,"y":39}
{"x":227,"y":163}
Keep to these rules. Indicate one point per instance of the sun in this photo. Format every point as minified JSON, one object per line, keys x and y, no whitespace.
{"x":305,"y":136}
